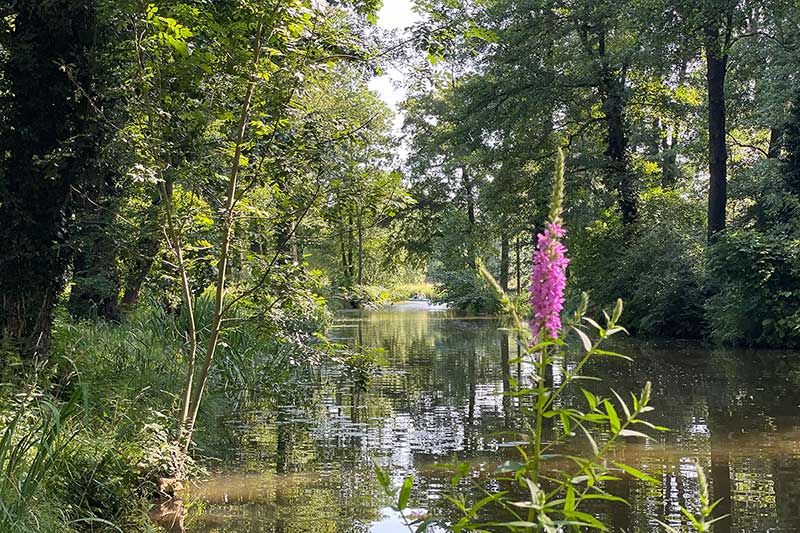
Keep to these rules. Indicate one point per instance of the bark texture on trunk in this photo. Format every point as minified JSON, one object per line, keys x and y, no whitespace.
{"x":469,"y":192}
{"x":611,"y":85}
{"x":518,"y":269}
{"x":618,"y":175}
{"x":504,"y":263}
{"x":146,"y":249}
{"x":716,"y":63}
{"x":360,"y":250}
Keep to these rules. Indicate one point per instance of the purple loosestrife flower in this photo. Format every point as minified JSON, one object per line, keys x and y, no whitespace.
{"x":548,"y":281}
{"x":549,"y":277}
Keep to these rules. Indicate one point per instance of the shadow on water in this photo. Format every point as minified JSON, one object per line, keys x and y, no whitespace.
{"x":307,"y":467}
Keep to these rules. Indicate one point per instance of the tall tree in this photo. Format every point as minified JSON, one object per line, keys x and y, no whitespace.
{"x":49,"y":136}
{"x":717,"y":34}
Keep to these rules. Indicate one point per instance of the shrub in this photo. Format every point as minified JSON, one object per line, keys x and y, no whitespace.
{"x":466,"y":291}
{"x":755,"y":279}
{"x":657,"y":267}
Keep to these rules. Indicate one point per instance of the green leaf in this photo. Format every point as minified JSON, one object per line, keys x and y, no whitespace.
{"x":590,"y":398}
{"x":632,"y":433}
{"x":617,"y":312}
{"x":589,"y":519}
{"x":587,"y":343}
{"x":510,"y":466}
{"x":591,"y":440}
{"x":696,"y":523}
{"x":520,"y":523}
{"x":612,"y":417}
{"x":383,"y":478}
{"x":667,"y":528}
{"x":498,"y":496}
{"x":622,"y":403}
{"x":593,"y":323}
{"x":612,"y":354}
{"x":569,"y":502}
{"x":638,"y":474}
{"x":405,"y":493}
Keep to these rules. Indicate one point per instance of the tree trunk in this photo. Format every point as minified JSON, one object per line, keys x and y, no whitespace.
{"x":669,"y":143}
{"x":774,"y":150}
{"x":505,"y":368}
{"x":141,"y":263}
{"x":37,"y":178}
{"x":469,"y":192}
{"x":348,"y":280}
{"x":791,"y":145}
{"x":669,"y":169}
{"x":616,"y":148}
{"x":350,"y":245}
{"x":667,"y":164}
{"x":518,"y":265}
{"x":148,"y":242}
{"x":194,"y":394}
{"x":504,"y":263}
{"x":613,"y":101}
{"x":716,"y":62}
{"x":360,"y":249}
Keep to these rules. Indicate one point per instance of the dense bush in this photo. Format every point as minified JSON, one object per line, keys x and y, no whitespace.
{"x":89,"y":435}
{"x":457,"y":282}
{"x":657,"y":267}
{"x":755,"y":279}
{"x":465,"y":290}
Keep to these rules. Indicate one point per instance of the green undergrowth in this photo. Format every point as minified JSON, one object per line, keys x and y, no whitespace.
{"x":89,"y":434}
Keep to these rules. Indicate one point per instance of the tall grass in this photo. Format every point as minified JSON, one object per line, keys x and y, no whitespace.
{"x":33,"y":446}
{"x":84,"y":448}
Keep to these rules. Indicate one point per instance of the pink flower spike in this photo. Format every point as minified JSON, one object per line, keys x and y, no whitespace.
{"x":548,"y":281}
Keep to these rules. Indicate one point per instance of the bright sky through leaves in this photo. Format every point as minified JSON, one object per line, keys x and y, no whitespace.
{"x":394,"y":15}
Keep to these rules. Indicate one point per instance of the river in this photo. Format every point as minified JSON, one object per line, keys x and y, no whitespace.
{"x":306,"y":467}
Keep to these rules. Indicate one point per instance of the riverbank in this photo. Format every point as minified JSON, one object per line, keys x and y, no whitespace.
{"x":277,"y":436}
{"x":90,"y":434}
{"x":374,"y":297}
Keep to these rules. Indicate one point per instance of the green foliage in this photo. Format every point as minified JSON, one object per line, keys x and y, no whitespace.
{"x":658,"y":267}
{"x":362,"y":296}
{"x":360,"y":364}
{"x":46,"y":50}
{"x":408,"y":291}
{"x":205,"y":158}
{"x":454,"y":269}
{"x":625,"y":87}
{"x":34,"y":443}
{"x":465,"y":290}
{"x":130,"y":374}
{"x":756,"y":279}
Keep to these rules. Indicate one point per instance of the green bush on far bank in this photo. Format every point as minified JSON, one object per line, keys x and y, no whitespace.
{"x":375,"y":296}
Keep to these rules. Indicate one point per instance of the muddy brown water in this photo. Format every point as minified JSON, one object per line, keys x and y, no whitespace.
{"x":306,"y":467}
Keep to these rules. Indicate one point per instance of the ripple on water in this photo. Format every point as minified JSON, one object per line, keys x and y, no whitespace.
{"x":306,"y":466}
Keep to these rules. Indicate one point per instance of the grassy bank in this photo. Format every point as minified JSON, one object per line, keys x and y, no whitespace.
{"x":374,"y":296}
{"x":89,"y":434}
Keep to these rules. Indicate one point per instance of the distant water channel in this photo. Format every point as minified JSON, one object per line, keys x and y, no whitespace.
{"x":306,"y":467}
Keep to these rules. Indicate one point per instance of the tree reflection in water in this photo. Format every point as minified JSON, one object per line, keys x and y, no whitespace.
{"x":307,"y":466}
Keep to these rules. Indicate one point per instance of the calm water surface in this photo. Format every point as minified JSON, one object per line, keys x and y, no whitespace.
{"x":306,"y":466}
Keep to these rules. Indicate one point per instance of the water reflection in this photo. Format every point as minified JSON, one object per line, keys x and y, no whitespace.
{"x":306,"y":466}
